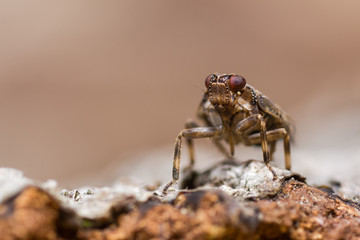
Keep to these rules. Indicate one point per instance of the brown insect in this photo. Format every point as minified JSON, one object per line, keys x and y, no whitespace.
{"x":237,"y":113}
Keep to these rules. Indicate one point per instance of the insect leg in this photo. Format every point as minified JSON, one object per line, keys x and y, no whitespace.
{"x":198,"y":132}
{"x":272,"y":136}
{"x":264,"y":145}
{"x":287,"y":151}
{"x":250,"y":123}
{"x":247,"y":125}
{"x":191,"y":124}
{"x":217,"y":142}
{"x":232,"y":145}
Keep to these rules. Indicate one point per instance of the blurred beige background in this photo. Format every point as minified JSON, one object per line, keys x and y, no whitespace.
{"x":89,"y":86}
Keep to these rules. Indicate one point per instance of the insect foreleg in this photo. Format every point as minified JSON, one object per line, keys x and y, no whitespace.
{"x":191,"y":124}
{"x":191,"y":133}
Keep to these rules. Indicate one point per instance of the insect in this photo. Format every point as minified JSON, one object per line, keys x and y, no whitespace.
{"x":235,"y":112}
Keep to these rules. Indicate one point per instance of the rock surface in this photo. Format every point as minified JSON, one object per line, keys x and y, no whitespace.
{"x":228,"y":201}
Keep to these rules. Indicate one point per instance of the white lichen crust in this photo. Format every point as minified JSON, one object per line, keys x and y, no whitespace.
{"x":250,"y":179}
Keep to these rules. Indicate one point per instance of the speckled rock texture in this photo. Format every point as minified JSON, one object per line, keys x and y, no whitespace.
{"x":230,"y":200}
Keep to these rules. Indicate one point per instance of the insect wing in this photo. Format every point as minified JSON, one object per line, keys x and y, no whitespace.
{"x":274,"y":110}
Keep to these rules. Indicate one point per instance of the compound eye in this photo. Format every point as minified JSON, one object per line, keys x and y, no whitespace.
{"x":208,"y":79}
{"x":236,"y":83}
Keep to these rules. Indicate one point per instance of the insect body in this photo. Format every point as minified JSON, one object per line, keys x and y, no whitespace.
{"x":235,"y":112}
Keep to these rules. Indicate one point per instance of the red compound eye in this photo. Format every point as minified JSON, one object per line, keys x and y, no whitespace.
{"x":236,"y":83}
{"x":207,"y":80}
